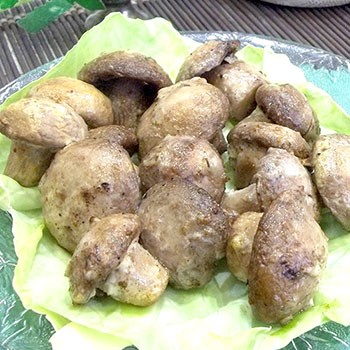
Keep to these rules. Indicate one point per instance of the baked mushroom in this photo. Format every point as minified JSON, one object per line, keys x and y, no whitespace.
{"x":185,"y":229}
{"x":187,"y":157}
{"x":288,"y":256}
{"x":87,"y":180}
{"x":109,"y":257}
{"x":131,"y":80}
{"x":192,"y":107}
{"x":286,"y":106}
{"x":38,"y":127}
{"x":239,"y":81}
{"x":249,"y":141}
{"x":331,"y":162}
{"x":90,"y":103}
{"x":206,"y":57}
{"x":279,"y":171}
{"x":240,"y":243}
{"x":126,"y":137}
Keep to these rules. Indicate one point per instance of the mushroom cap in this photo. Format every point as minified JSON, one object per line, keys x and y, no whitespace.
{"x":269,"y":135}
{"x":42,"y":122}
{"x":90,"y":103}
{"x":87,"y":180}
{"x":99,"y":252}
{"x":192,"y":107}
{"x":188,"y":157}
{"x":122,"y":64}
{"x":286,"y":106}
{"x":206,"y":57}
{"x":185,"y":229}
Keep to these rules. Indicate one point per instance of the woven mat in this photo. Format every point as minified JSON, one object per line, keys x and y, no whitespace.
{"x":326,"y":28}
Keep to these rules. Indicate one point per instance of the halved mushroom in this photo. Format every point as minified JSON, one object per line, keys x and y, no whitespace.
{"x":248,"y":143}
{"x":131,"y":80}
{"x":90,"y":103}
{"x":187,"y":157}
{"x":185,"y":229}
{"x":288,"y":257}
{"x":87,"y":180}
{"x":286,"y":106}
{"x":239,"y":81}
{"x":108,"y":257}
{"x":331,"y":161}
{"x":192,"y":107}
{"x":240,"y":243}
{"x":206,"y":57}
{"x":116,"y":133}
{"x":39,"y":127}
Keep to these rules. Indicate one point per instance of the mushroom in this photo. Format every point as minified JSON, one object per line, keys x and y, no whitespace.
{"x":279,"y":171}
{"x":239,"y":81}
{"x":90,"y":103}
{"x":288,"y":257}
{"x":131,"y":80}
{"x":185,"y":229}
{"x":187,"y":157}
{"x":276,"y":172}
{"x":249,"y":141}
{"x":240,"y":243}
{"x":331,"y":161}
{"x":109,"y":257}
{"x":87,"y":180}
{"x":206,"y":57}
{"x":286,"y":106}
{"x":116,"y":133}
{"x":39,"y":127}
{"x":192,"y":107}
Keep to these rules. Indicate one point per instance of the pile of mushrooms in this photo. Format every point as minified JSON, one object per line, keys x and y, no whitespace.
{"x":132,"y":180}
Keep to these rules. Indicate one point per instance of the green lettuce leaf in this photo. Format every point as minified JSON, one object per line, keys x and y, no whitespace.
{"x":217,"y":316}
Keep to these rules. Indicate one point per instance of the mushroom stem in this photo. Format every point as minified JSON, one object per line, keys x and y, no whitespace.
{"x":26,"y":164}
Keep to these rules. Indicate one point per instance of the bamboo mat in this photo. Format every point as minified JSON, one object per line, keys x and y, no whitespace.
{"x":326,"y":28}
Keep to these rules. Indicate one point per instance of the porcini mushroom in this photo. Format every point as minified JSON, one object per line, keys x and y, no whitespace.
{"x":191,"y":107}
{"x":131,"y":80}
{"x":185,"y":229}
{"x":90,"y":103}
{"x":109,"y":257}
{"x":87,"y":180}
{"x":39,"y":127}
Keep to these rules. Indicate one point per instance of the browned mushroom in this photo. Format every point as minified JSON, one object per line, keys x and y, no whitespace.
{"x":90,"y":103}
{"x":131,"y":80}
{"x":286,"y":106}
{"x":39,"y":127}
{"x":206,"y":57}
{"x":87,"y":180}
{"x":192,"y":107}
{"x":108,"y":257}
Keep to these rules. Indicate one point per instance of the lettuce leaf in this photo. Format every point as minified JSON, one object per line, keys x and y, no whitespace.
{"x":216,"y":316}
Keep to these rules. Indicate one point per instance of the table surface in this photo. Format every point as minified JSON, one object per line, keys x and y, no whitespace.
{"x":326,"y":28}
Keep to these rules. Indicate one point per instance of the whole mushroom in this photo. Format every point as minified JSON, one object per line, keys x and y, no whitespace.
{"x":38,"y":127}
{"x":185,"y":229}
{"x":90,"y":103}
{"x":109,"y":258}
{"x":90,"y":179}
{"x":192,"y":107}
{"x":131,"y":80}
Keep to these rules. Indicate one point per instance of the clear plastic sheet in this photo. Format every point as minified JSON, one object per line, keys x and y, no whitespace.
{"x":22,"y":329}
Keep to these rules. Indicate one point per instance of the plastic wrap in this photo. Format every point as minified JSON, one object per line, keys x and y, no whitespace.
{"x":23,"y":329}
